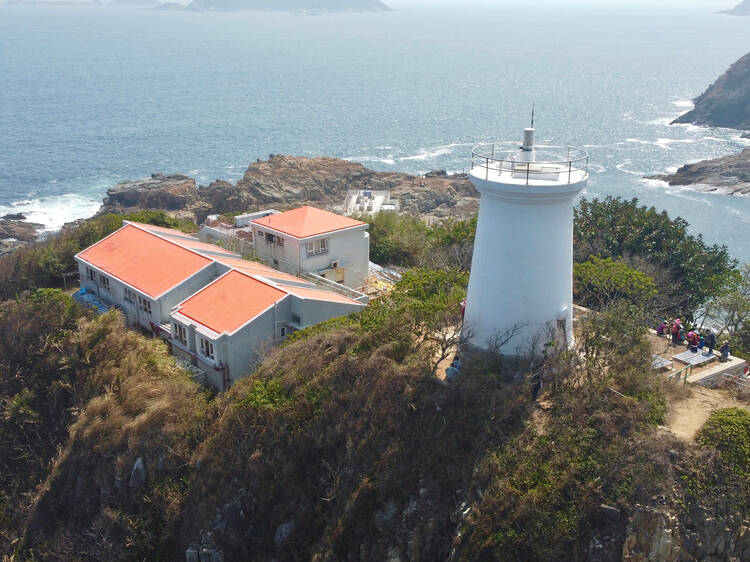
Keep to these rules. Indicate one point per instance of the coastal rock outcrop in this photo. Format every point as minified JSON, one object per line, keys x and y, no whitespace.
{"x":730,"y":174}
{"x":167,"y":192}
{"x":290,"y":181}
{"x":15,"y":232}
{"x":726,"y":103}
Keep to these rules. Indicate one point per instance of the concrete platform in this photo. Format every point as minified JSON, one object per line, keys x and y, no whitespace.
{"x":695,"y":358}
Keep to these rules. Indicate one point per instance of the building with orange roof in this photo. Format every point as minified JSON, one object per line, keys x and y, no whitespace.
{"x":303,"y":240}
{"x":217,"y":310}
{"x":224,"y":327}
{"x":143,"y":274}
{"x":311,"y":240}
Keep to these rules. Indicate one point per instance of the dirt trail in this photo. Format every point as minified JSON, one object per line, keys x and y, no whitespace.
{"x":687,"y":414}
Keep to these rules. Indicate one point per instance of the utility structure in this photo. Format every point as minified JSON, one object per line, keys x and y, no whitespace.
{"x":521,"y":282}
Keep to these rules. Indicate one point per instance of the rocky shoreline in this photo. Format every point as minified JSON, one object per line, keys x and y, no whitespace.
{"x":729,"y":174}
{"x":290,"y":181}
{"x":280,"y":182}
{"x":16,"y":231}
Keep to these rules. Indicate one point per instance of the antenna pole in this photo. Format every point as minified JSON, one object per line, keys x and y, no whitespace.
{"x":532,"y":115}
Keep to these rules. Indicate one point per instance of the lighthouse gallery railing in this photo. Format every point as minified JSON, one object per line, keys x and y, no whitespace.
{"x":552,"y":163}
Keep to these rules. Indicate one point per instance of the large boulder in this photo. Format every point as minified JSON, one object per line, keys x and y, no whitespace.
{"x":164,"y":192}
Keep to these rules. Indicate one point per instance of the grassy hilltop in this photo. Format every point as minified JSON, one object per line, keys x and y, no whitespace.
{"x":344,"y":445}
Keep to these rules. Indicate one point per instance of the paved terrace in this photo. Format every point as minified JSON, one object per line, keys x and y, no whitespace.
{"x":699,"y":368}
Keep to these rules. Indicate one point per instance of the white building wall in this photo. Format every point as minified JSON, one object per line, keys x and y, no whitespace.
{"x":188,"y":287}
{"x":350,"y":248}
{"x":160,"y":308}
{"x":522,"y":267}
{"x":311,"y":312}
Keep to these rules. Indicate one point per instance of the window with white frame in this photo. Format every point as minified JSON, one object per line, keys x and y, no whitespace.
{"x":207,"y":348}
{"x":130,"y":295}
{"x":180,"y":333}
{"x":144,"y":304}
{"x":91,"y":274}
{"x":317,"y":247}
{"x":104,"y":281}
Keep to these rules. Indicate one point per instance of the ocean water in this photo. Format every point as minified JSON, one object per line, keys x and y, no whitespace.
{"x":90,"y":96}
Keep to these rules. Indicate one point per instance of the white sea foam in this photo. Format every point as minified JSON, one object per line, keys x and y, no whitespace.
{"x":362,"y":159}
{"x":597,"y":169}
{"x":715,"y":139}
{"x":664,"y":143}
{"x":683,"y":104}
{"x":427,"y":155}
{"x":660,"y":121}
{"x":53,"y":211}
{"x":638,"y":141}
{"x":622,"y":168}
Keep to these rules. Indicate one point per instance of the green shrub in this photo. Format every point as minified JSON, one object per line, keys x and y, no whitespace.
{"x":728,"y":431}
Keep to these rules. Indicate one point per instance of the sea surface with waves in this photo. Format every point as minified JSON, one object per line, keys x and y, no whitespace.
{"x":91,"y":96}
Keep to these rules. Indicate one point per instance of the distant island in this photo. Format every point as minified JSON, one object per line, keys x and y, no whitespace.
{"x":726,"y":103}
{"x":741,"y":9}
{"x":309,"y":6}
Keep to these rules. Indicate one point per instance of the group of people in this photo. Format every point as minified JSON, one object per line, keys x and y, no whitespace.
{"x":692,"y":338}
{"x":454,"y":369}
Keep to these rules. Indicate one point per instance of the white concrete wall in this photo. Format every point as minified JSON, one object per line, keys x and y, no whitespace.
{"x":351,"y":248}
{"x":161,"y":307}
{"x":189,"y":287}
{"x":311,"y":312}
{"x":115,"y":295}
{"x":522,"y":267}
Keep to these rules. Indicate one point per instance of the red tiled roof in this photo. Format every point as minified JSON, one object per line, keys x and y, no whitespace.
{"x":307,"y":221}
{"x":183,"y":239}
{"x":257,"y":268}
{"x":143,"y":260}
{"x":230,"y":302}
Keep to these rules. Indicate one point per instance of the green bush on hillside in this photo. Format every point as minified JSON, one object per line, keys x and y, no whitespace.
{"x":600,"y":282}
{"x":687,"y":270}
{"x":728,"y":431}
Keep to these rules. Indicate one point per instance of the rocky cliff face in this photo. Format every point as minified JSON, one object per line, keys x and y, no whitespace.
{"x":171,"y":193}
{"x":730,"y":174}
{"x":291,"y":181}
{"x":726,"y":103}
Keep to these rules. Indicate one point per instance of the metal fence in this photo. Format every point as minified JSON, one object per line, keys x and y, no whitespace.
{"x":551,"y":162}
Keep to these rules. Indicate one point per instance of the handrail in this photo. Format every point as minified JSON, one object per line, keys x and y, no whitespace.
{"x":688,"y":370}
{"x":546,"y":156}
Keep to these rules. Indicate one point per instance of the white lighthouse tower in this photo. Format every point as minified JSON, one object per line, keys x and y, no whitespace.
{"x":521,"y":279}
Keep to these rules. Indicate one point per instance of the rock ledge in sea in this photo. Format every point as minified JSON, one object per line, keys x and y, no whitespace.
{"x":730,"y":174}
{"x":167,"y":192}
